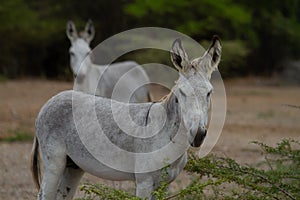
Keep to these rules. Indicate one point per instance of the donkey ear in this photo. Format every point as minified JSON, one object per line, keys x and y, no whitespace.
{"x":213,"y":54}
{"x":179,"y":57}
{"x":71,"y":31}
{"x":89,"y":31}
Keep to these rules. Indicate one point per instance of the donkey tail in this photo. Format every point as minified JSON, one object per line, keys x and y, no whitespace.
{"x":35,"y":163}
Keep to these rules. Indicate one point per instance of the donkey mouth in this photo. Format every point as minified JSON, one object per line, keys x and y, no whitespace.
{"x":199,"y":138}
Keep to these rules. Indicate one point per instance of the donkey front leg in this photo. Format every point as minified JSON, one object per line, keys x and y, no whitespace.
{"x":144,"y":186}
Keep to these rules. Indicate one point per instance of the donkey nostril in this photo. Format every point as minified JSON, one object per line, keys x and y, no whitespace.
{"x":203,"y":130}
{"x":200,"y":136}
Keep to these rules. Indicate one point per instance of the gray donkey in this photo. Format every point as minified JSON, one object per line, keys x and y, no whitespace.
{"x":87,"y":74}
{"x":77,"y":132}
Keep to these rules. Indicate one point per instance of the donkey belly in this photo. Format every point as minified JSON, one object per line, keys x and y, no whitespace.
{"x":90,"y":164}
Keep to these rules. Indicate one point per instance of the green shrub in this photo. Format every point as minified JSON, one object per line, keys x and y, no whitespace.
{"x":277,"y":177}
{"x":103,"y":192}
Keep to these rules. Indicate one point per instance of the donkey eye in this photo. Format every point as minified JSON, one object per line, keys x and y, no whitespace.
{"x":208,"y":94}
{"x":72,"y":54}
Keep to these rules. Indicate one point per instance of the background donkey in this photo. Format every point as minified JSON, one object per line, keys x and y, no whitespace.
{"x":67,"y":133}
{"x":87,"y":74}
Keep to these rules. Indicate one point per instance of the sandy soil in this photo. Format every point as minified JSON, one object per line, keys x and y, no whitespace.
{"x":255,"y":111}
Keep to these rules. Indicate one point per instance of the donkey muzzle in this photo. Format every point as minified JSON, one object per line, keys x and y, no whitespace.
{"x":199,"y":138}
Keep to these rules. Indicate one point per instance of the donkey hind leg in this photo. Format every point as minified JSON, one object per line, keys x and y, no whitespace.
{"x":144,"y":186}
{"x":69,"y":181}
{"x":54,"y":163}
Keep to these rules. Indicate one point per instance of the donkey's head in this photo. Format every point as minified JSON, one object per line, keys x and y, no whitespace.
{"x":194,"y":89}
{"x":80,"y":47}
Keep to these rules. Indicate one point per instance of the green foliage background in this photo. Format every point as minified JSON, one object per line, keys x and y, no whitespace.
{"x":258,"y":36}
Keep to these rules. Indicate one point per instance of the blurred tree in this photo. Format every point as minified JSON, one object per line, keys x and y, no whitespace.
{"x":197,"y":18}
{"x":26,"y":35}
{"x":33,"y":32}
{"x":201,"y":19}
{"x":257,"y":35}
{"x":277,"y":28}
{"x":16,"y":21}
{"x":265,"y":32}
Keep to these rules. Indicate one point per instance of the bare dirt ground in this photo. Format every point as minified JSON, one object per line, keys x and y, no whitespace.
{"x":255,"y":111}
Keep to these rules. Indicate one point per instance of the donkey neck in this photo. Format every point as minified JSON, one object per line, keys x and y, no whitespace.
{"x":171,"y":104}
{"x":172,"y":109}
{"x":173,"y":101}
